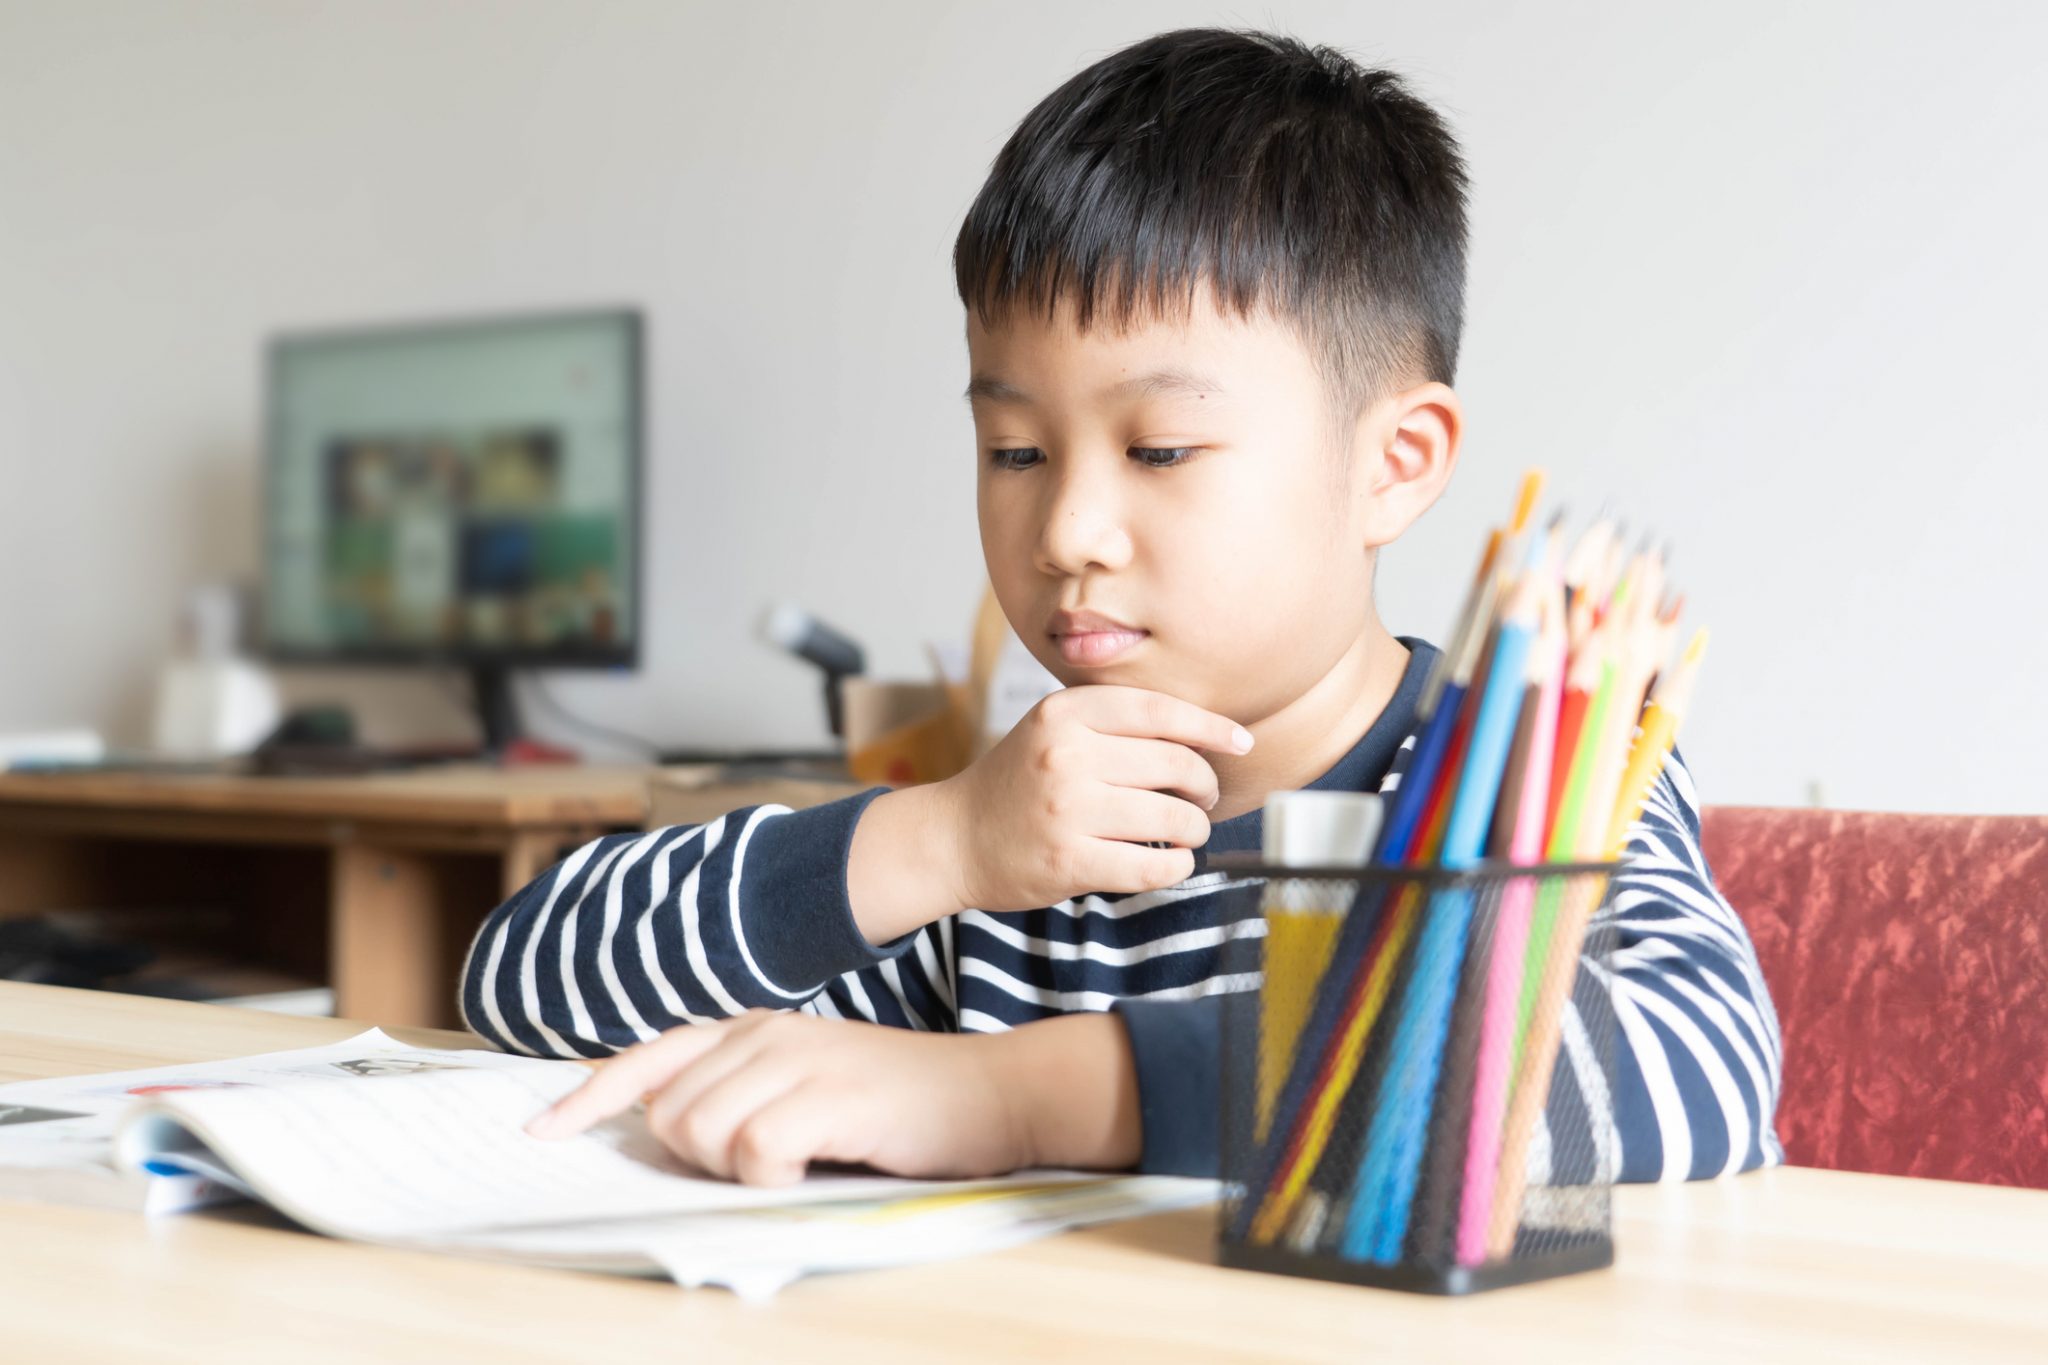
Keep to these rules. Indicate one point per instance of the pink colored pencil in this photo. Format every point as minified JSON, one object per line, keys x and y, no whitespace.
{"x":1511,"y":938}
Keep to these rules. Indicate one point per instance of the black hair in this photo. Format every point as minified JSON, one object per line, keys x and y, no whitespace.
{"x":1287,"y":176}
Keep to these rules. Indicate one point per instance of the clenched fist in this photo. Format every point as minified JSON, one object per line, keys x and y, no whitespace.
{"x":1097,"y":789}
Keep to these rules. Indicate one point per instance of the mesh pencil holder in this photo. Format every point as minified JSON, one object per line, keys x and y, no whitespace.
{"x":1416,"y":1097}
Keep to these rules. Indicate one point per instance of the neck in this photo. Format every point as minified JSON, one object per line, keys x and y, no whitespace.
{"x":1304,"y":739}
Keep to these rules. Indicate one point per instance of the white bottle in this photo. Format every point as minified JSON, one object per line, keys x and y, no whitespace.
{"x":211,"y":701}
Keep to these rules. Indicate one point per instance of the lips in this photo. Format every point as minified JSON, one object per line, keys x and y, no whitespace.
{"x":1088,"y":639}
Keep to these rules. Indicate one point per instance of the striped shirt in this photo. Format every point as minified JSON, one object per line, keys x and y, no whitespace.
{"x":632,"y":934}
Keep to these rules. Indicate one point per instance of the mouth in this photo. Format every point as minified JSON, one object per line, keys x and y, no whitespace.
{"x":1088,"y":639}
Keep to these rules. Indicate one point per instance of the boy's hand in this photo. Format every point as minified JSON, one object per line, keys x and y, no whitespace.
{"x":1068,"y":800}
{"x":757,"y":1097}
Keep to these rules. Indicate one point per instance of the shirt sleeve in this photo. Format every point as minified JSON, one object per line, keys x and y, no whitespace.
{"x":1176,"y":1051}
{"x":632,"y":934}
{"x":1698,"y":1060}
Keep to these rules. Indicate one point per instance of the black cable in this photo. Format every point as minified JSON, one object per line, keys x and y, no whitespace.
{"x":464,"y":695}
{"x":589,"y":727}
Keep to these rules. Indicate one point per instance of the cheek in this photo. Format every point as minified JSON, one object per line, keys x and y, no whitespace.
{"x":1269,"y":598}
{"x":1008,"y":540}
{"x":1004,"y":518}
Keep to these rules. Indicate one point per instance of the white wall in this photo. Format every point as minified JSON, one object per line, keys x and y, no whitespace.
{"x":1770,"y":275}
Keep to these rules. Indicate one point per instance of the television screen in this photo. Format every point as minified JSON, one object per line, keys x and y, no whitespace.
{"x":462,"y":491}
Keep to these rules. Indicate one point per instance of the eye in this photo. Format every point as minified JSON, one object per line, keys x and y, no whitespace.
{"x":1162,"y":457}
{"x":1020,"y":457}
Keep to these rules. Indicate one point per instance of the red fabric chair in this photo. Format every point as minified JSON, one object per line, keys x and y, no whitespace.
{"x":1908,"y":956}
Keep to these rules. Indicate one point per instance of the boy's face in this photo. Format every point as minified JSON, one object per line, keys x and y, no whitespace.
{"x":1170,"y":507}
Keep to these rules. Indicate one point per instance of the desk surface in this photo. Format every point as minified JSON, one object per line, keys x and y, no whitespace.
{"x":457,"y":794}
{"x":1790,"y":1265}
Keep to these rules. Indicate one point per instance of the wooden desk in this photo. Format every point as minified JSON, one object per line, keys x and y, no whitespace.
{"x":375,"y":882}
{"x":1788,"y":1265}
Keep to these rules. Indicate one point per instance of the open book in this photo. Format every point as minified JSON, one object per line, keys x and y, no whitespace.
{"x":375,"y":1141}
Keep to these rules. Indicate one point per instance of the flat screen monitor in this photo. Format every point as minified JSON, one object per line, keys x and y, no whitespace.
{"x":462,"y":492}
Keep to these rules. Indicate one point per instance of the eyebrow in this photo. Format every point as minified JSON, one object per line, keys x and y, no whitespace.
{"x":1154,"y":383}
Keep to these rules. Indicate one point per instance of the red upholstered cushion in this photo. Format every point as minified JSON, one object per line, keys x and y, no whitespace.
{"x":1908,"y":956}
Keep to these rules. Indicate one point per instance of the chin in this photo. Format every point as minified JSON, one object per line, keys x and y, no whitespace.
{"x":1149,"y":676}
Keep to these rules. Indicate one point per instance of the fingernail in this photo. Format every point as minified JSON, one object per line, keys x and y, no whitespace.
{"x":1243,"y":738}
{"x":545,"y":1124}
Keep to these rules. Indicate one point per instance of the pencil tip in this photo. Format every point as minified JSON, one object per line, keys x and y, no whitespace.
{"x":1525,"y":499}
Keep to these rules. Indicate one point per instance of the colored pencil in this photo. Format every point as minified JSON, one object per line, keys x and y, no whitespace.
{"x":1653,"y":745}
{"x":1384,"y":1192}
{"x":1433,"y":1228}
{"x":1337,"y":1046}
{"x":1563,"y":843}
{"x":1621,"y":799}
{"x":1347,"y":998}
{"x":1511,"y":939}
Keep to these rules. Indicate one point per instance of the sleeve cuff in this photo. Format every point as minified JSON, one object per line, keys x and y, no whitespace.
{"x":1174,"y":1045}
{"x":794,"y":908}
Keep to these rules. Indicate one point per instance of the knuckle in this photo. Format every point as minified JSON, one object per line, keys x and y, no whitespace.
{"x":1170,"y":867}
{"x":1060,"y":865}
{"x":699,"y":1131}
{"x":761,"y":1142}
{"x":1122,"y":876}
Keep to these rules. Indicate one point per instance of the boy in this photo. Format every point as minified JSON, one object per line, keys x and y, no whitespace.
{"x":1214,"y":288}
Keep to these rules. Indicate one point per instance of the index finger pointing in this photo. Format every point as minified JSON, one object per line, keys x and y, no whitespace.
{"x":618,"y":1083}
{"x":1143,"y":714}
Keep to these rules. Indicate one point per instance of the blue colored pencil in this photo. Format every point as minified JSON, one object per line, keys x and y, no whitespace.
{"x":1384,"y":1193}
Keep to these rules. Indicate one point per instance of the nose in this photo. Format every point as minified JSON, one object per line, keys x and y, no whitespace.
{"x":1083,"y":519}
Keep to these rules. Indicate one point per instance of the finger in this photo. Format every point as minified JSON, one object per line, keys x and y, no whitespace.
{"x":1157,"y":765}
{"x":680,"y":1093}
{"x":1142,"y":714}
{"x":701,"y":1131}
{"x":620,"y":1082}
{"x":1127,"y":868}
{"x":1147,"y":817}
{"x":778,"y":1142}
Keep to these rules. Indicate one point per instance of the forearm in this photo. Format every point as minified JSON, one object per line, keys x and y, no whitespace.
{"x":902,"y":869}
{"x":1071,"y":1088}
{"x":634,"y":934}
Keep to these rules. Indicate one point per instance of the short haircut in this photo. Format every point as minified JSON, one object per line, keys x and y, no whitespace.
{"x":1287,"y":176}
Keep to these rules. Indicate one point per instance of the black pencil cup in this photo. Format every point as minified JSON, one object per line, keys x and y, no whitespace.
{"x":1417,"y":1096}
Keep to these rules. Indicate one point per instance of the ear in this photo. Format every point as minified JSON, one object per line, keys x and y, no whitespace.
{"x":1403,"y":451}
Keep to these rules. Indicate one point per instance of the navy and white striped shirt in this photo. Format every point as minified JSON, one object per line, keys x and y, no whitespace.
{"x":633,"y":934}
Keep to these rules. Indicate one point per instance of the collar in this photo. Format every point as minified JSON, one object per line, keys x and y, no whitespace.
{"x":1360,"y":770}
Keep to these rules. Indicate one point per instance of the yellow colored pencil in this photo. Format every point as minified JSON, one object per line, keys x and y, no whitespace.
{"x":1653,"y":746}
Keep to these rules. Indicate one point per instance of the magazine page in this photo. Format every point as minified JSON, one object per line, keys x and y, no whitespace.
{"x":431,"y":1146}
{"x":57,"y":1134}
